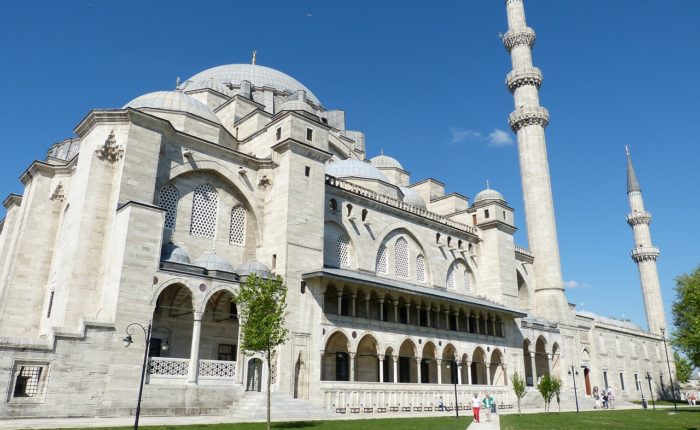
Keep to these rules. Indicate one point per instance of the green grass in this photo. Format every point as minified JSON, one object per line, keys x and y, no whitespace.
{"x":661,"y":402}
{"x":439,"y":423}
{"x":685,"y":419}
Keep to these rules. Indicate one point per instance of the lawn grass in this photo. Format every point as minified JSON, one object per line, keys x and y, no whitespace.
{"x":685,"y":419}
{"x":438,"y":423}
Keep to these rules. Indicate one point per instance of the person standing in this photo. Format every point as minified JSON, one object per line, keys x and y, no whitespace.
{"x":611,"y":398}
{"x":476,"y":404}
{"x":487,"y":407}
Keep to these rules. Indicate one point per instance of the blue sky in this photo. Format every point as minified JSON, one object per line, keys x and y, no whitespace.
{"x":424,"y":81}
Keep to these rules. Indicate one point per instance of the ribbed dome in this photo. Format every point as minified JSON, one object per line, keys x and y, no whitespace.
{"x":173,"y":100}
{"x":258,"y":76}
{"x":214,"y":262}
{"x":488,"y":194}
{"x":410,"y":197}
{"x":354,"y":169}
{"x":385,"y":161}
{"x":173,"y":253}
{"x":254,"y":267}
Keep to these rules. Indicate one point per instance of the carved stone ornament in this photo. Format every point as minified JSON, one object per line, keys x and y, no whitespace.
{"x":529,"y":115}
{"x":110,"y":151}
{"x":264,"y":183}
{"x":58,"y":193}
{"x":524,"y":76}
{"x":521,"y":36}
{"x":645,"y":253}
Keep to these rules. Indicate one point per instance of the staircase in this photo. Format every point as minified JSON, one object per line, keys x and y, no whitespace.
{"x":252,"y":406}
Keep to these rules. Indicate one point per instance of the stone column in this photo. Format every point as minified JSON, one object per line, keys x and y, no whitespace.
{"x":352,"y":366}
{"x":340,"y":302}
{"x":468,"y":323}
{"x":437,"y":316}
{"x":396,"y":310}
{"x":381,"y":309}
{"x":485,"y":323}
{"x":367,"y":305}
{"x":418,"y":360}
{"x":459,"y":373}
{"x":488,"y":374}
{"x":534,"y":369}
{"x":447,"y":319}
{"x":439,"y":369}
{"x":469,"y":372}
{"x":354,"y":300}
{"x":493,"y":324}
{"x":503,"y":329}
{"x":427,"y":315}
{"x":394,"y":361}
{"x":456,"y":314}
{"x":408,"y":313}
{"x":193,"y":371}
{"x":381,"y":368}
{"x":418,"y":315}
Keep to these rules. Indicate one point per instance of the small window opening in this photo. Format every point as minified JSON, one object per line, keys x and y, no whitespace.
{"x":364,"y":214}
{"x":307,"y":171}
{"x":236,"y":133}
{"x":486,"y":213}
{"x":274,"y":261}
{"x":333,"y":205}
{"x":349,"y":208}
{"x":449,"y":240}
{"x":504,"y":214}
{"x":437,"y":238}
{"x":309,"y":134}
{"x":474,"y":219}
{"x":459,"y":244}
{"x":48,"y":311}
{"x":27,"y":382}
{"x":278,"y":133}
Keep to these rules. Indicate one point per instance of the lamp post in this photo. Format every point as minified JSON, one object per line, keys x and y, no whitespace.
{"x":574,"y":373}
{"x":452,"y":365}
{"x":128,"y":341}
{"x":651,"y":393}
{"x":670,"y":375}
{"x":165,"y":342}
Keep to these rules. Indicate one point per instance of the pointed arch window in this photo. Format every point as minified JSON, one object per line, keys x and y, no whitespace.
{"x":205,"y":205}
{"x":451,"y":276}
{"x":468,"y":281}
{"x":237,"y":229}
{"x":401,"y":258}
{"x":343,"y":251}
{"x":382,"y":266}
{"x":168,"y":200}
{"x":420,"y":268}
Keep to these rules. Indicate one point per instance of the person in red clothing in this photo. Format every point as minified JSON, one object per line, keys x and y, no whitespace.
{"x":476,"y":404}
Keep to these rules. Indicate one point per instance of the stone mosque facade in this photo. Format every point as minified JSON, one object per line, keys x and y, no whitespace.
{"x":398,"y":292}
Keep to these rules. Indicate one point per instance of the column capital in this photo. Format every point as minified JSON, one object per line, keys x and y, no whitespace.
{"x":381,"y":357}
{"x":197,"y":315}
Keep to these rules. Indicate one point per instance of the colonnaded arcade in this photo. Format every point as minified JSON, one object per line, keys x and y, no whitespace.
{"x":398,"y":291}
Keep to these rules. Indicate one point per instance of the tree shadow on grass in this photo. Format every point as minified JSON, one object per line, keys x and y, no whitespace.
{"x":295,"y":425}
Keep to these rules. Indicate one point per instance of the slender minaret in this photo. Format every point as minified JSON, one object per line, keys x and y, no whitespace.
{"x":644,"y":253}
{"x":528,"y":121}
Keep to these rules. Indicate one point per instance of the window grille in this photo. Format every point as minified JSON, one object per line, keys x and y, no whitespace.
{"x":451,"y":276}
{"x":343,"y":251}
{"x":204,"y":207}
{"x":401,"y":258}
{"x":27,"y":383}
{"x":382,"y":266}
{"x":420,"y":268}
{"x":467,"y":281}
{"x":168,"y":201}
{"x":237,"y":232}
{"x":48,"y":311}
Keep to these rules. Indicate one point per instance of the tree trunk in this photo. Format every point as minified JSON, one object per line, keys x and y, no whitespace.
{"x":518,"y":405}
{"x":269,"y":384}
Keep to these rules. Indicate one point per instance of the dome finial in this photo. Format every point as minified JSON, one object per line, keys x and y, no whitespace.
{"x":177,"y":82}
{"x":381,"y":151}
{"x":487,"y":185}
{"x":255,"y":53}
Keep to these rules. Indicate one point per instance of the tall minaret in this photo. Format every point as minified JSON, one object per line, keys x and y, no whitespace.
{"x":644,"y":253}
{"x":528,"y":121}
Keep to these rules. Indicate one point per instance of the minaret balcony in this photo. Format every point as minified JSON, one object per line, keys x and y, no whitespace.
{"x":524,"y":76}
{"x":519,"y":36}
{"x":645,"y":253}
{"x":528,"y":115}
{"x":636,"y":218}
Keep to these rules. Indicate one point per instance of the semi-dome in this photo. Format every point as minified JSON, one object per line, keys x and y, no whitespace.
{"x":354,"y":169}
{"x":258,"y":76}
{"x":385,"y":161}
{"x":174,"y":254}
{"x":411,"y":197}
{"x":488,"y":194}
{"x":214,"y":262}
{"x":254,"y":267}
{"x":173,"y":100}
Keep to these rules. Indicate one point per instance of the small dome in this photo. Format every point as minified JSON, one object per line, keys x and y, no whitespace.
{"x":385,"y":161}
{"x":254,"y":267}
{"x":488,"y":194}
{"x":173,"y":100}
{"x":214,"y":262}
{"x":173,"y":253}
{"x":410,"y":197}
{"x":354,"y":169}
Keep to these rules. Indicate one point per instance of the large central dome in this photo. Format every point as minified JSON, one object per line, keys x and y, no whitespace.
{"x":258,"y":76}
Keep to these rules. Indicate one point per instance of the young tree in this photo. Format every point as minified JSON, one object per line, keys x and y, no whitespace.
{"x":684,"y":368}
{"x":519,"y":387}
{"x":556,"y":386}
{"x":263,"y":314}
{"x":545,"y":389}
{"x":686,"y":315}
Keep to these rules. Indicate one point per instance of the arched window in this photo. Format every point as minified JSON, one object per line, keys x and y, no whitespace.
{"x":382,"y":266}
{"x":343,"y":251}
{"x":451,"y":276}
{"x":420,"y":268}
{"x":204,"y":207}
{"x":401,"y":258}
{"x":168,"y":200}
{"x":601,"y":344}
{"x":467,"y":281}
{"x":237,"y":232}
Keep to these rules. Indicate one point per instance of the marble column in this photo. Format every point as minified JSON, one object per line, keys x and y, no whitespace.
{"x":381,"y":368}
{"x":493,"y":324}
{"x":352,"y":366}
{"x":340,"y":302}
{"x":396,"y":310}
{"x":469,"y":372}
{"x":459,"y":373}
{"x":456,"y":314}
{"x":408,"y":313}
{"x":354,"y":301}
{"x":381,"y":309}
{"x":437,"y":316}
{"x":395,"y":362}
{"x":439,"y":371}
{"x":418,"y":360}
{"x":447,"y":319}
{"x":367,"y":306}
{"x":193,"y":371}
{"x":418,"y":315}
{"x":534,"y":369}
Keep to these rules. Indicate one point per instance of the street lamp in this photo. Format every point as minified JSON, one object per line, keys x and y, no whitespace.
{"x":574,"y":373}
{"x":165,"y":342}
{"x":651,"y":393}
{"x":128,"y":341}
{"x":452,"y":365}
{"x":670,"y":375}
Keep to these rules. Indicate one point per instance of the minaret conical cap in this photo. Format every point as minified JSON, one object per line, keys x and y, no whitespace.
{"x":632,"y":183}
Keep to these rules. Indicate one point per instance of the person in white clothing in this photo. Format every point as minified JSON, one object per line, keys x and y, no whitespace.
{"x":476,"y":405}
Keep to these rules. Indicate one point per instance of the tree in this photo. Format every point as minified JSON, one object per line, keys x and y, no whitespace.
{"x":263,"y":314}
{"x":684,"y":368}
{"x":686,"y":316}
{"x":556,"y":390}
{"x":519,"y":387}
{"x":546,"y":389}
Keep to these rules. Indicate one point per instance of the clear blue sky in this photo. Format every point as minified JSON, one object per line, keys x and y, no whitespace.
{"x":424,"y":81}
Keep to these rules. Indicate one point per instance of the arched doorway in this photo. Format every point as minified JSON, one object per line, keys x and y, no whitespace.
{"x":478,"y":367}
{"x":496,"y":368}
{"x":367,"y":360}
{"x":389,"y":365}
{"x":254,"y":379}
{"x":449,"y":365}
{"x":172,"y":323}
{"x":428,"y":364}
{"x":585,"y":359}
{"x":336,"y":358}
{"x":541,"y":358}
{"x":556,"y":362}
{"x":528,"y":361}
{"x":408,"y":371}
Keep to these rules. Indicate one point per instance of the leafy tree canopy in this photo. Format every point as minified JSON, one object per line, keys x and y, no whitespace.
{"x":686,"y":315}
{"x":684,"y":368}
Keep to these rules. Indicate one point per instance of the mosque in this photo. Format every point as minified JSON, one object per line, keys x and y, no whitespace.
{"x":398,"y":293}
